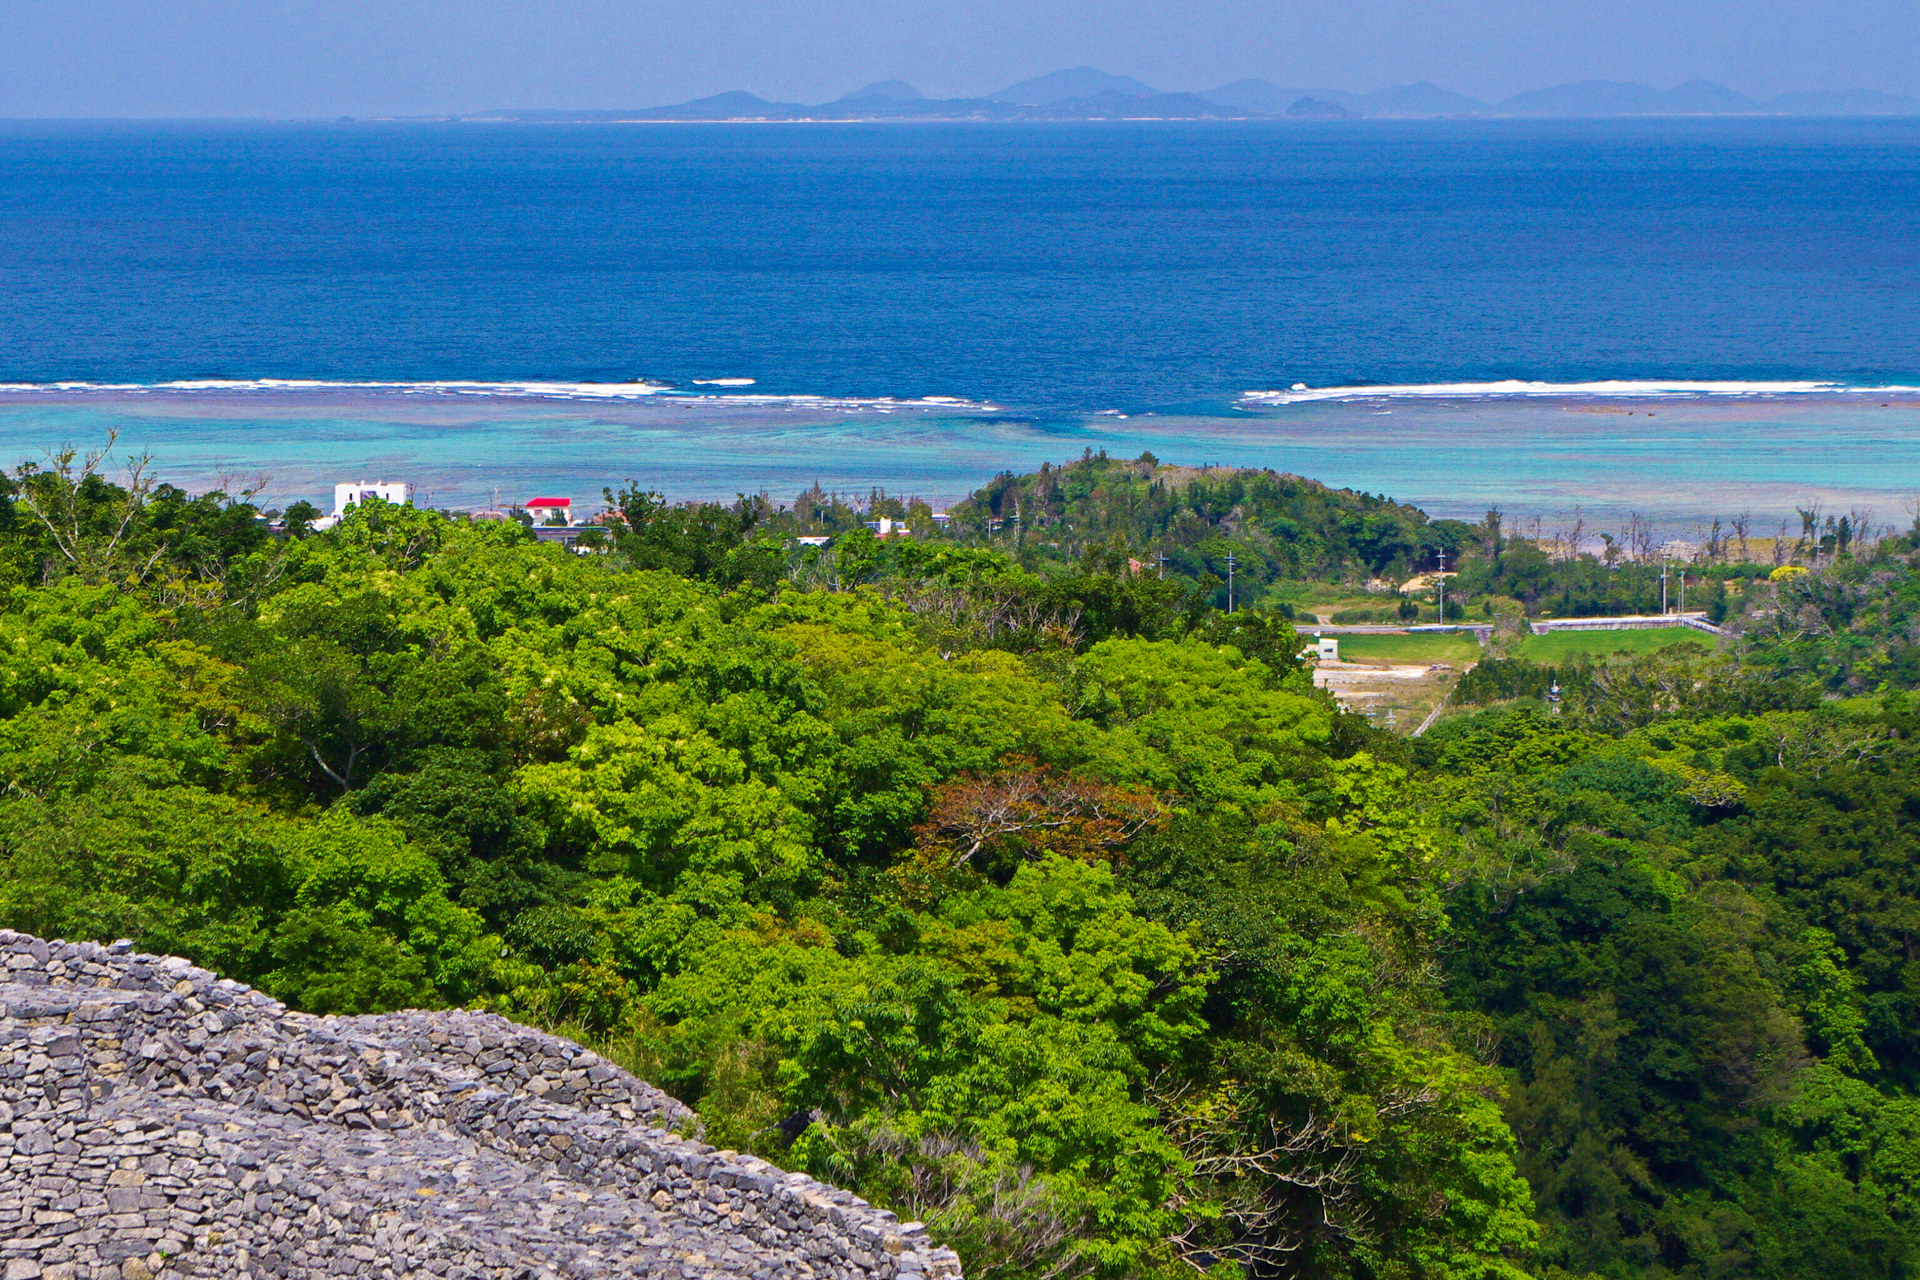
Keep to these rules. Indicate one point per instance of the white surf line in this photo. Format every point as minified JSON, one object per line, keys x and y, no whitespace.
{"x":541,"y":390}
{"x":1300,"y":393}
{"x":576,"y":391}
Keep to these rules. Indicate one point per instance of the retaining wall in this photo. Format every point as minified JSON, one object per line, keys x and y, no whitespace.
{"x":1626,"y":622}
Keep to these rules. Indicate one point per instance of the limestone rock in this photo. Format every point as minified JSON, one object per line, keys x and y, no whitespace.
{"x":158,"y":1122}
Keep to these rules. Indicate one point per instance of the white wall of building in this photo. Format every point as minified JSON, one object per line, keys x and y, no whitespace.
{"x":397,"y":492}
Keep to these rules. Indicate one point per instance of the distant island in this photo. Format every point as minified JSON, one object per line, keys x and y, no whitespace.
{"x":1086,"y":93}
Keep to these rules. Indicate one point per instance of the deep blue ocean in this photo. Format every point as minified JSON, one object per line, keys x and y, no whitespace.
{"x":1052,"y":270}
{"x":1073,"y":267}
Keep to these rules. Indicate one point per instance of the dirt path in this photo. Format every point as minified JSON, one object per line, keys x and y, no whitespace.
{"x":1412,"y":692}
{"x":1432,"y":715}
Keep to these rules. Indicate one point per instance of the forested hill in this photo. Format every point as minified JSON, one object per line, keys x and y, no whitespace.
{"x":1272,"y":533}
{"x":1283,"y":525}
{"x":1038,"y":901}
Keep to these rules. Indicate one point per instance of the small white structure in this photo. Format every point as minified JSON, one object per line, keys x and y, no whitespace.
{"x":814,"y":540}
{"x":888,"y":527}
{"x":1680,"y":549}
{"x":1323,"y":649}
{"x":550,"y":510}
{"x":398,"y":492}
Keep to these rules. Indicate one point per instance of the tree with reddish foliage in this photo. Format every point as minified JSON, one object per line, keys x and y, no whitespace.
{"x":1029,"y":810}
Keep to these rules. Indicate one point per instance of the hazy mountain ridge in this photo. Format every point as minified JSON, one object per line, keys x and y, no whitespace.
{"x":1075,"y":83}
{"x":1087,"y":93}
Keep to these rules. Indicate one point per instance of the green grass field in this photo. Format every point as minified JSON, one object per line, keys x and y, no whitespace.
{"x":1459,"y":650}
{"x":1455,"y":650}
{"x":1311,"y":598}
{"x":1561,"y":646}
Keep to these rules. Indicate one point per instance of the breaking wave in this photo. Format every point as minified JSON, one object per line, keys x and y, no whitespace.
{"x":578,"y":391}
{"x":1300,"y":393}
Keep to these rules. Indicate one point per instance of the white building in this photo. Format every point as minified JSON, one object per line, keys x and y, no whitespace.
{"x":398,"y":492}
{"x":550,"y":510}
{"x":1323,"y":649}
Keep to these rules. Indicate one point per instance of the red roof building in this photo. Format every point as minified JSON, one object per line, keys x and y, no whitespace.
{"x":551,"y":510}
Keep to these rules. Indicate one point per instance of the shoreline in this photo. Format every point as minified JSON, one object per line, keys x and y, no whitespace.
{"x":1678,"y":463}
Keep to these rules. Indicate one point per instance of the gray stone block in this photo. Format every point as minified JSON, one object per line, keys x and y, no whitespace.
{"x":158,"y":1123}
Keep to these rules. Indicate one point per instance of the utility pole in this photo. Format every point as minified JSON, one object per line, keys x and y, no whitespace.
{"x":1163,"y":566}
{"x":1440,"y":576}
{"x":1231,"y":562}
{"x":1663,"y":584}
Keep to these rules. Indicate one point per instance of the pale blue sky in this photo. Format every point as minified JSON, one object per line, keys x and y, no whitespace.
{"x":304,"y":58}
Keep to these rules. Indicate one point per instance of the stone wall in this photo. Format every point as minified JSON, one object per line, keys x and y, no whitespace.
{"x":158,"y":1121}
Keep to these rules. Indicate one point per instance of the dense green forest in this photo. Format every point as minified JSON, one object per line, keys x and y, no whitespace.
{"x":1020,"y":889}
